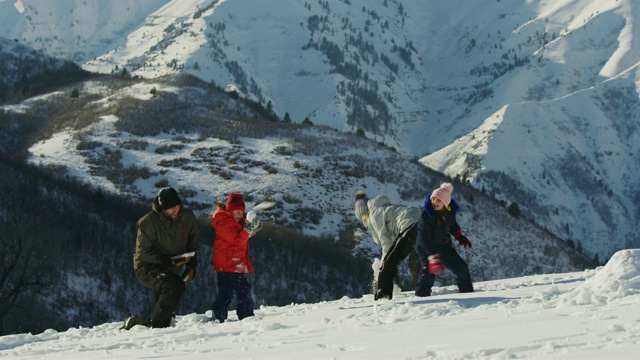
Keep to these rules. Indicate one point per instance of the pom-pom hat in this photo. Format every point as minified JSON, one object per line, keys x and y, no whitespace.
{"x":235,"y":201}
{"x":443,"y":193}
{"x":361,"y":204}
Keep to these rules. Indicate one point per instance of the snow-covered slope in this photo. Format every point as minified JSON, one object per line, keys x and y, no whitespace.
{"x":74,"y":29}
{"x":592,"y":314}
{"x":535,"y":101}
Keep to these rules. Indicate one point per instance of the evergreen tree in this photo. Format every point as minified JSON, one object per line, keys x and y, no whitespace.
{"x":514,"y":210}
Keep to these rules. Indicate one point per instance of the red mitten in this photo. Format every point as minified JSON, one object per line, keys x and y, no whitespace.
{"x":435,"y":265}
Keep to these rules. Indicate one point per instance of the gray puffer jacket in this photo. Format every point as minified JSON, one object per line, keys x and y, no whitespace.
{"x":387,"y":221}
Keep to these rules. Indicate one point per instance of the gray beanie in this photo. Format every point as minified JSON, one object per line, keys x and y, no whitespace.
{"x":361,"y":204}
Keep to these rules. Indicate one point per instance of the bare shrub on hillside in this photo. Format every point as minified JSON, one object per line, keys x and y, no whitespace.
{"x":270,"y":169}
{"x":134,"y":144}
{"x":183,"y":139}
{"x":253,"y":162}
{"x":162,"y":183}
{"x":165,"y":149}
{"x":283,"y":150}
{"x":187,"y":193}
{"x":289,"y":199}
{"x":198,"y":206}
{"x":176,"y":162}
{"x":85,"y":145}
{"x":225,"y":175}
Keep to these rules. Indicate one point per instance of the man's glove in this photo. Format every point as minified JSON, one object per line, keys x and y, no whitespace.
{"x":435,"y":265}
{"x":181,"y":261}
{"x":165,"y":260}
{"x":188,"y":274}
{"x":464,"y":242}
{"x":253,"y":226}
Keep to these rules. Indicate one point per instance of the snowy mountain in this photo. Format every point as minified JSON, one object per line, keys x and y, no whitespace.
{"x":131,"y":137}
{"x":580,"y":315}
{"x":119,"y":136}
{"x":533,"y":101}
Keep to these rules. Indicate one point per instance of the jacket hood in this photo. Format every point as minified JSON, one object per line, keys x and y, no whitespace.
{"x":428,"y":207}
{"x":378,"y":201}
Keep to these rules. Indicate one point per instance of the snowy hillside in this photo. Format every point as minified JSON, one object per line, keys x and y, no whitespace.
{"x":534,"y":101}
{"x":587,"y":315}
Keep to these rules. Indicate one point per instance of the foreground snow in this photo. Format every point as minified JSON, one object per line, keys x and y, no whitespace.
{"x":591,"y":314}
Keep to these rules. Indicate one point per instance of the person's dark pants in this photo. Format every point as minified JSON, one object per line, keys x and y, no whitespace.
{"x":167,"y":289}
{"x":452,"y":261}
{"x":227,"y":283}
{"x":414,"y":266}
{"x":403,"y":246}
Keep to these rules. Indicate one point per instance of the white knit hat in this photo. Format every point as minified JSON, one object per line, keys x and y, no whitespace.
{"x":361,"y":204}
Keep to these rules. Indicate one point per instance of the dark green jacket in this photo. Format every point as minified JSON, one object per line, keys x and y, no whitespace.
{"x":158,"y":238}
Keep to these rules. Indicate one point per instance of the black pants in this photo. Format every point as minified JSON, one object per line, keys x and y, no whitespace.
{"x":167,"y":289}
{"x":404,"y":246}
{"x":452,"y":261}
{"x":227,"y":283}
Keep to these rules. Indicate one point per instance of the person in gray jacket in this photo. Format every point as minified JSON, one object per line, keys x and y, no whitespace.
{"x":394,"y":228}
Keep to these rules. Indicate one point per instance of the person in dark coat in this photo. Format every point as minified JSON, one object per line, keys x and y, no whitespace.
{"x":436,"y":226}
{"x":231,"y":260}
{"x":165,"y":259}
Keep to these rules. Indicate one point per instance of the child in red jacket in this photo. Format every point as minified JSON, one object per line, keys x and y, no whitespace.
{"x":231,"y":256}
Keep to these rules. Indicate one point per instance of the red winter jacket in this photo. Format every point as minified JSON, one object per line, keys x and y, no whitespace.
{"x":231,"y":246}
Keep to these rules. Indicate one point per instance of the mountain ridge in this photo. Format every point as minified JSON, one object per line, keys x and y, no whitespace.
{"x":402,"y":71}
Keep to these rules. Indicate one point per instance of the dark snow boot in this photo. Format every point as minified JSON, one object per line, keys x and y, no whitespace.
{"x":425,"y":283}
{"x":422,"y":292}
{"x":465,"y":286}
{"x":381,"y":294}
{"x":132,"y":321}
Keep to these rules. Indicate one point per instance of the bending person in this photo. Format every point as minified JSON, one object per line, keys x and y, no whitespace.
{"x":394,"y":227}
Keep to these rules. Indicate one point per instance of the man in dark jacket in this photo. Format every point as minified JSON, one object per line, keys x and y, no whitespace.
{"x":433,"y":242}
{"x":167,"y":241}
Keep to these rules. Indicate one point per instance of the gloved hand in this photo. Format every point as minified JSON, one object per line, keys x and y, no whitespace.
{"x":166,"y":260}
{"x":464,"y":242}
{"x":181,"y":261}
{"x":253,"y":226}
{"x":188,"y":274}
{"x":435,"y":265}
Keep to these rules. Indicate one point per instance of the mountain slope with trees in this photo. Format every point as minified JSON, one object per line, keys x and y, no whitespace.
{"x":98,"y":158}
